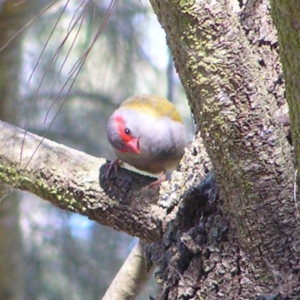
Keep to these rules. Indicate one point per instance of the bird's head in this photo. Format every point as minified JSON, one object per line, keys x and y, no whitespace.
{"x":122,"y":135}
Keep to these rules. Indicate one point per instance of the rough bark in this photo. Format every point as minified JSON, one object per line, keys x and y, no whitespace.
{"x":286,"y":16}
{"x":70,"y":180}
{"x":246,"y":243}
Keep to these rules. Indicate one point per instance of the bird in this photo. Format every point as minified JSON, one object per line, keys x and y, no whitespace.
{"x":148,"y":133}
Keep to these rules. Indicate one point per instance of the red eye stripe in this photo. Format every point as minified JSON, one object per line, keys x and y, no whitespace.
{"x":121,"y":129}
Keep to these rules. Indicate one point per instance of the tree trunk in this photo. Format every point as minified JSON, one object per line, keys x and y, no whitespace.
{"x":286,"y":15}
{"x":247,"y":242}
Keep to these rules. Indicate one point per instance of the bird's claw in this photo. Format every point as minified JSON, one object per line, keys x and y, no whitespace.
{"x":113,"y":165}
{"x":156,"y":184}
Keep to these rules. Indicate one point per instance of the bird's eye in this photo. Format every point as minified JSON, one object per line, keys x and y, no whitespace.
{"x":127,"y":131}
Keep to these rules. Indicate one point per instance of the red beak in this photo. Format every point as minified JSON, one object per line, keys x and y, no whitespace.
{"x":133,"y":145}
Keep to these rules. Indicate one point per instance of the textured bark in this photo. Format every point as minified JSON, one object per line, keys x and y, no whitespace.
{"x":286,"y":15}
{"x":246,"y":243}
{"x":70,"y":180}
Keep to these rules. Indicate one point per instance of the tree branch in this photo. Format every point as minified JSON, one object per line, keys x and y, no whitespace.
{"x":70,"y":180}
{"x":131,"y":278}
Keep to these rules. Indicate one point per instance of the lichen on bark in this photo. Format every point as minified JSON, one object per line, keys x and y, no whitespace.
{"x":251,"y":157}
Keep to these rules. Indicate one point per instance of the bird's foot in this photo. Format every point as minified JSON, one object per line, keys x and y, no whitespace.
{"x":156,"y":183}
{"x":113,"y":166}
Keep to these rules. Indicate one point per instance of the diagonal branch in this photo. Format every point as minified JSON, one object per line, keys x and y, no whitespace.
{"x":70,"y":180}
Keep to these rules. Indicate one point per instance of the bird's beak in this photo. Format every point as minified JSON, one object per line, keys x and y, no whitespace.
{"x":133,"y":145}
